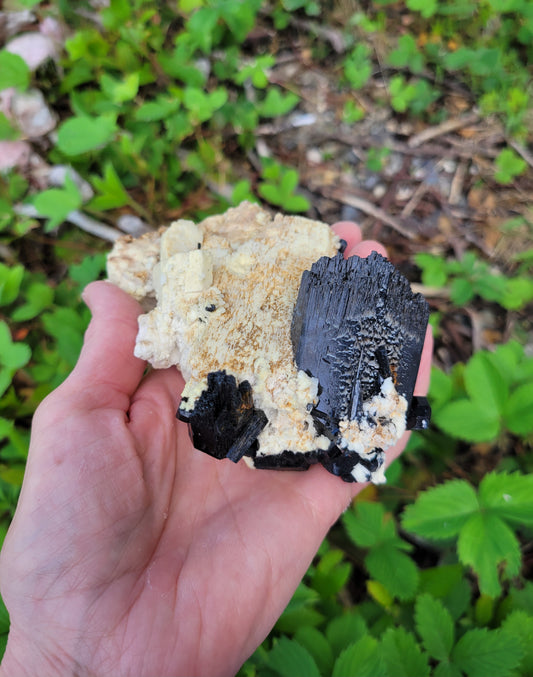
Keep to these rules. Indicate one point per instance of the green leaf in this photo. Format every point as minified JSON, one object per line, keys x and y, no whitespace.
{"x":467,"y":420}
{"x":485,"y":542}
{"x":362,"y":659}
{"x":508,"y":166}
{"x":10,"y":281}
{"x":7,"y":131}
{"x":331,"y":574}
{"x":518,"y":410}
{"x":88,"y":270}
{"x":112,"y":192}
{"x":4,"y":617}
{"x":277,"y":104}
{"x":402,"y":655}
{"x":461,"y":291}
{"x":487,"y":653}
{"x":441,"y":512}
{"x":508,"y":496}
{"x":13,"y":355}
{"x":368,"y":525}
{"x":484,"y":384}
{"x":80,"y":135}
{"x":344,"y":630}
{"x":288,"y":658}
{"x":394,"y":569}
{"x":120,"y":91}
{"x":38,"y":297}
{"x":14,"y":71}
{"x":434,"y":624}
{"x":520,"y":624}
{"x":447,"y":670}
{"x":56,"y":204}
{"x":317,"y":645}
{"x":427,"y":8}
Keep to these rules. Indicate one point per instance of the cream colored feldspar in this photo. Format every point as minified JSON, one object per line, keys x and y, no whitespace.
{"x":224,"y":291}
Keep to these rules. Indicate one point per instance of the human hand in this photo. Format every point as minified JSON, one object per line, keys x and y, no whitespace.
{"x":130,"y":552}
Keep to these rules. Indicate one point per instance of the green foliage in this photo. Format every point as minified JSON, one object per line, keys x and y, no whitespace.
{"x":14,"y":71}
{"x":492,"y":394}
{"x":369,"y":526}
{"x":481,"y":520}
{"x":56,"y":203}
{"x":471,"y":277}
{"x":508,"y":166}
{"x":279,"y":185}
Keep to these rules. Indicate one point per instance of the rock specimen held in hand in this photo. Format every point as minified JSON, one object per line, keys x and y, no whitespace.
{"x":292,"y":355}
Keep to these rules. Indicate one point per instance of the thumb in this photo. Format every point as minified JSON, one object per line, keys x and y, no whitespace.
{"x":107,"y":369}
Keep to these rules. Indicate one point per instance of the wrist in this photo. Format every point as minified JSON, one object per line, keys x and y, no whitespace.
{"x":23,"y":658}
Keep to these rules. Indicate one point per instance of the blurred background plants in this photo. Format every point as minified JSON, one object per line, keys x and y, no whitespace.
{"x":412,"y":118}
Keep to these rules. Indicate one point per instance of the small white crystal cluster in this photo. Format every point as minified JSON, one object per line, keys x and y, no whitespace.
{"x":381,"y":425}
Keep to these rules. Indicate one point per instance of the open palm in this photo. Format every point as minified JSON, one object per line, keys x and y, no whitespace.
{"x":130,"y":552}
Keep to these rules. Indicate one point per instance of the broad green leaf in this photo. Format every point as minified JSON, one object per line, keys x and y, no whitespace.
{"x":13,"y":355}
{"x":7,"y":131}
{"x":88,"y":270}
{"x":79,"y":135}
{"x":440,"y":580}
{"x":440,"y":388}
{"x":380,"y":594}
{"x":520,"y":624}
{"x":10,"y":281}
{"x":518,"y":410}
{"x":394,"y":569}
{"x":14,"y":71}
{"x":56,"y":204}
{"x":461,"y":291}
{"x":120,"y":91}
{"x":112,"y":192}
{"x":331,"y":574}
{"x":300,"y":611}
{"x":427,"y":8}
{"x":487,"y":653}
{"x":276,"y":104}
{"x":485,"y":385}
{"x":447,"y":670}
{"x":288,"y":658}
{"x":38,"y":296}
{"x":345,"y":630}
{"x":402,"y":655}
{"x":4,"y":617}
{"x":317,"y":645}
{"x":368,"y":524}
{"x":434,"y":624}
{"x":508,"y":496}
{"x":439,"y":513}
{"x":362,"y":659}
{"x":295,"y":203}
{"x":156,"y":110}
{"x":467,"y":420}
{"x":485,"y":542}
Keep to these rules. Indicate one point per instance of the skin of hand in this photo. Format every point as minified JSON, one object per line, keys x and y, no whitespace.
{"x":130,"y":552}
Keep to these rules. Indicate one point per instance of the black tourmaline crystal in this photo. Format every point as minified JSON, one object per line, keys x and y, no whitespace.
{"x":356,"y":323}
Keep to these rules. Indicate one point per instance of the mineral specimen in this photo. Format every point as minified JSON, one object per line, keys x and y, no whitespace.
{"x":292,"y":354}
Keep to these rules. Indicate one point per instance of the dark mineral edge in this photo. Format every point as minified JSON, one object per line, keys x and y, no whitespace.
{"x":356,"y":322}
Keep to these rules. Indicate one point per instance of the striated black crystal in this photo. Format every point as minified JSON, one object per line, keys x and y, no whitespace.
{"x":356,"y":321}
{"x":224,"y":422}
